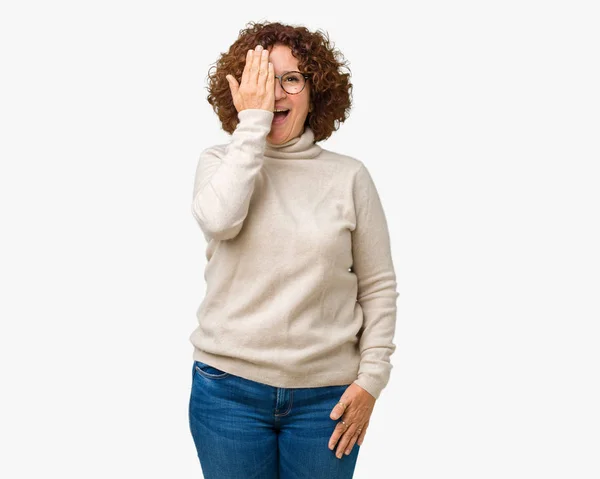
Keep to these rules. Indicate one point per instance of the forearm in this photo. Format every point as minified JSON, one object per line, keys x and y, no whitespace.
{"x":224,"y":184}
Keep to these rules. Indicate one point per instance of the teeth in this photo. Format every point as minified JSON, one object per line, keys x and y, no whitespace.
{"x":279,"y":111}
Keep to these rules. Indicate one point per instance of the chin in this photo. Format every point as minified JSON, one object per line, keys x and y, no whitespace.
{"x":280,"y":137}
{"x":276,"y":141}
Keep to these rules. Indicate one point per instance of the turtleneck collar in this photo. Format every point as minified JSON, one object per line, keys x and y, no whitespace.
{"x":302,"y":147}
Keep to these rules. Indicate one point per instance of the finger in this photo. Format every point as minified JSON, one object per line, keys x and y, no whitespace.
{"x":351,"y":444}
{"x":361,"y":436}
{"x":247,"y":66}
{"x":338,"y":410}
{"x":271,"y":78}
{"x":233,"y":84}
{"x":337,"y":433}
{"x":345,"y":440}
{"x":264,"y":65}
{"x":256,"y":64}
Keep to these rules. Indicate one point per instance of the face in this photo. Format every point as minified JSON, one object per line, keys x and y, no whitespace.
{"x":283,"y":61}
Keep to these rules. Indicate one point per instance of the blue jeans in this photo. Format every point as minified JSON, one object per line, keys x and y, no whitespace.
{"x":244,"y":429}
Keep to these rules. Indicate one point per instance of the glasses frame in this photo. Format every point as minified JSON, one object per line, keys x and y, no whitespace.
{"x":280,"y":78}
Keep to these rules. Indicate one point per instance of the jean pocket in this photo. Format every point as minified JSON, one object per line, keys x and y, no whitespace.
{"x":209,"y":371}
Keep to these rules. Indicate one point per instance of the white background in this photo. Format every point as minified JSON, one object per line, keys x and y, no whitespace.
{"x":479,"y":122}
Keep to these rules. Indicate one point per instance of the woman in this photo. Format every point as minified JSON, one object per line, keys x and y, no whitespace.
{"x":295,"y":332}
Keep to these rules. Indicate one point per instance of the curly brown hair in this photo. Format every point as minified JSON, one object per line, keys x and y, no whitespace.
{"x":331,"y":90}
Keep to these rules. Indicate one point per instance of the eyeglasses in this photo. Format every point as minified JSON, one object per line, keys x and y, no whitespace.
{"x":292,"y":82}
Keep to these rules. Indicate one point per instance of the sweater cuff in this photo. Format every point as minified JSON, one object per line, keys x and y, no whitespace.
{"x":256,"y":115}
{"x":371,"y":385}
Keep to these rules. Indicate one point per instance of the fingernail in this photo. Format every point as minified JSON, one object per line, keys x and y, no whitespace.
{"x":339,"y":455}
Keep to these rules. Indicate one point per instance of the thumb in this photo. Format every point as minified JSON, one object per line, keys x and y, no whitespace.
{"x":233,"y":84}
{"x":337,"y":411}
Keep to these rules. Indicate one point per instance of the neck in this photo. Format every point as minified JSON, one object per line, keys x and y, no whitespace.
{"x":302,"y":147}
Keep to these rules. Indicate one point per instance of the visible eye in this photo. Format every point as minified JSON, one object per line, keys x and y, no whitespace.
{"x":292,"y":78}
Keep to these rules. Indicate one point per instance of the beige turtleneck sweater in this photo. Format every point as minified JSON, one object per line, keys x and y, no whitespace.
{"x":301,"y":288}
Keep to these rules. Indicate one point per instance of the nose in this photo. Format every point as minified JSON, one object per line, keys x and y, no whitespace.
{"x":279,"y":92}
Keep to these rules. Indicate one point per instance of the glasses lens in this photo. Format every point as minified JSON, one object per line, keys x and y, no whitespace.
{"x":293,"y":82}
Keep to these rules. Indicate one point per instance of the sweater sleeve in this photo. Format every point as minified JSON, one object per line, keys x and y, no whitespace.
{"x":377,"y":287}
{"x":224,"y":183}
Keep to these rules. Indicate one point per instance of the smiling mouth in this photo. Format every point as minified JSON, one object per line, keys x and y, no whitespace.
{"x":280,"y":117}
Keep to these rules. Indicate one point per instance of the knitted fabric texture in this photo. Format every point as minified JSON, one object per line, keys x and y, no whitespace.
{"x":300,"y":286}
